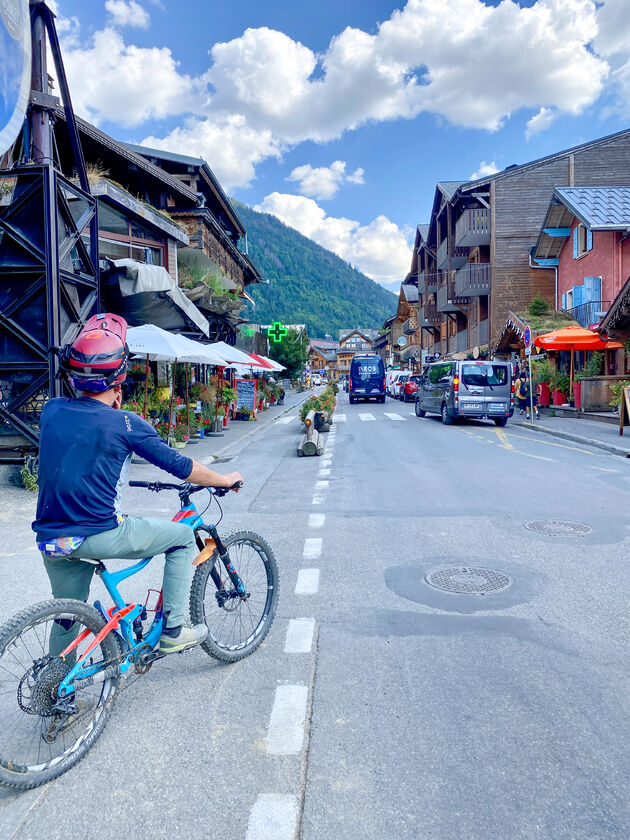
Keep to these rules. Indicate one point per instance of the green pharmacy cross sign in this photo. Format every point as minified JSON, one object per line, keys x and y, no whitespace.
{"x":277,"y":331}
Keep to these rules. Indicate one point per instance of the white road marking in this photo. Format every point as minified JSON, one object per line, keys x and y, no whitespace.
{"x":318,"y":499}
{"x":365,"y":417}
{"x":299,"y":635}
{"x":393,"y":416}
{"x":323,"y":473}
{"x":312,"y":548}
{"x":316,"y":520}
{"x":321,"y":485}
{"x":285,"y":735}
{"x":284,"y":420}
{"x":603,"y":469}
{"x":339,"y":418}
{"x":307,"y":582}
{"x":273,"y":817}
{"x":326,"y":462}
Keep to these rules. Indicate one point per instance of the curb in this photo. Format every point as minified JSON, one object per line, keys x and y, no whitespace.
{"x":607,"y":447}
{"x":259,"y":428}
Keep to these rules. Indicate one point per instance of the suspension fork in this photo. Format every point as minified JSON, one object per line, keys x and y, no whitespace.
{"x":229,"y":566}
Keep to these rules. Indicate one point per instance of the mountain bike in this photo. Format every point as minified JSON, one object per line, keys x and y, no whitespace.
{"x":63,"y":662}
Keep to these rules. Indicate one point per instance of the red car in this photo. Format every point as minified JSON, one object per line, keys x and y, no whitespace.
{"x":408,"y":390}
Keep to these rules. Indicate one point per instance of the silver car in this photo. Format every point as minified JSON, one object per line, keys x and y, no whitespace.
{"x":477,"y":389}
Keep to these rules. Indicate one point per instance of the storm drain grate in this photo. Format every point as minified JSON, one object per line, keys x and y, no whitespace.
{"x":468,"y":580}
{"x":559,"y":528}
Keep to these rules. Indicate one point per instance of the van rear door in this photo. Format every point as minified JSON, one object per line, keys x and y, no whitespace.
{"x":484,"y":388}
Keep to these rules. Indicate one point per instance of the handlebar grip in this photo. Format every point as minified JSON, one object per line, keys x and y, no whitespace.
{"x":138,"y":483}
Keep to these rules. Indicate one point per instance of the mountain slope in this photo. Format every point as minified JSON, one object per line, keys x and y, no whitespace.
{"x":309,"y":285}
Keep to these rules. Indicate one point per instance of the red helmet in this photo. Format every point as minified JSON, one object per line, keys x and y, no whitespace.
{"x":97,"y":359}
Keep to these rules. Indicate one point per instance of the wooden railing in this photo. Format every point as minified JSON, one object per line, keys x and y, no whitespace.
{"x":473,"y":227}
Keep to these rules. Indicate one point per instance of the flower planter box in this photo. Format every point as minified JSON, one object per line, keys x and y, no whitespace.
{"x":545,"y":394}
{"x":577,"y":394}
{"x":558,"y":398}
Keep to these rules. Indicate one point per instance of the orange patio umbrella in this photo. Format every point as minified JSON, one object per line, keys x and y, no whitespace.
{"x":574,"y":338}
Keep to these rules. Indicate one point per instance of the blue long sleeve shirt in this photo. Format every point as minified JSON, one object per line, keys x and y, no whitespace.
{"x":84,"y":453}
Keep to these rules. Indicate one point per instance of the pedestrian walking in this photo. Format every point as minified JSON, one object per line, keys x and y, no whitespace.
{"x":528,"y":389}
{"x":518,"y":392}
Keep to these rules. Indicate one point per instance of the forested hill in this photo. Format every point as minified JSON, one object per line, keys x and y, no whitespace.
{"x":309,"y":285}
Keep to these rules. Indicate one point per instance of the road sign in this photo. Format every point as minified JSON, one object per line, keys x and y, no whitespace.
{"x":527,"y":337}
{"x":528,"y":350}
{"x":15,"y":68}
{"x":277,"y":331}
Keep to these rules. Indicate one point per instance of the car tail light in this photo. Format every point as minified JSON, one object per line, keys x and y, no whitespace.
{"x":513,"y":388}
{"x":350,"y":385}
{"x":456,"y":384}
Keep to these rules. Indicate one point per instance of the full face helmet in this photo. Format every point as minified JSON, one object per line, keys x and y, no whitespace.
{"x":97,"y":359}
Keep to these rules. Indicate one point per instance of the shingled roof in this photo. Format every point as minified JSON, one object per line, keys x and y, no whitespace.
{"x":598,"y":208}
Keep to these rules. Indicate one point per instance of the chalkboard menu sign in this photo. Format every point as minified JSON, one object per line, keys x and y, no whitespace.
{"x":245,"y":393}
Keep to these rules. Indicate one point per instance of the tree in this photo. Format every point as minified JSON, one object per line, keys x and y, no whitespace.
{"x":291,"y":352}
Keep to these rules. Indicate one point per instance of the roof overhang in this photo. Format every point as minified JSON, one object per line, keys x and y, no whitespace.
{"x":122,"y":199}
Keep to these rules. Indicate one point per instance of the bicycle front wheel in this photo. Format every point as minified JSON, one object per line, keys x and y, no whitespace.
{"x":236,"y":625}
{"x":38,"y":742}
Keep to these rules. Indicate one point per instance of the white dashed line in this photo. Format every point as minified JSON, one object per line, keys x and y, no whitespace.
{"x":339,"y":418}
{"x":307,"y":582}
{"x":273,"y":817}
{"x":365,"y":417}
{"x":326,"y":462}
{"x":299,"y":635}
{"x":323,"y":473}
{"x":318,"y":499}
{"x":285,"y":735}
{"x":284,"y":420}
{"x":312,"y":548}
{"x":316,"y":520}
{"x":393,"y":416}
{"x":321,"y":485}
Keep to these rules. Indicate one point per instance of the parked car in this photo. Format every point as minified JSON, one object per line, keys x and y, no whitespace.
{"x":476,"y":389}
{"x":367,"y":378}
{"x":316,"y":379}
{"x":398,"y":384}
{"x":392,"y":376}
{"x":409,"y":390}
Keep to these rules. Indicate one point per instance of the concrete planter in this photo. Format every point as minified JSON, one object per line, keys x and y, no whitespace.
{"x":596,"y":394}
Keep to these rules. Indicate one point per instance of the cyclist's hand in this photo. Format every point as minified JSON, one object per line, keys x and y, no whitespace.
{"x":232,"y":478}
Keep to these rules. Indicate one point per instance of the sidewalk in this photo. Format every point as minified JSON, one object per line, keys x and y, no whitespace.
{"x":589,"y":432}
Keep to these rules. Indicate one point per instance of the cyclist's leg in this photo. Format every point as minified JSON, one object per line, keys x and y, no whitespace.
{"x":136,"y":538}
{"x":68,"y":579}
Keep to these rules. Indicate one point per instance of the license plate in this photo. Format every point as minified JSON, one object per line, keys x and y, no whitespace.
{"x":471,"y":406}
{"x":497,"y":407}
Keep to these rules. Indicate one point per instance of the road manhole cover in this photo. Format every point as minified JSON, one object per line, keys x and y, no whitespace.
{"x":559,"y":528}
{"x":468,"y":580}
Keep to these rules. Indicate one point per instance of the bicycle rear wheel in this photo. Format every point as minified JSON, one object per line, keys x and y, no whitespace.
{"x":37,"y":742}
{"x":236,"y":626}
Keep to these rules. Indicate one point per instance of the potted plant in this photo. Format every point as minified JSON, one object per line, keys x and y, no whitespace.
{"x":542,"y":373}
{"x":560,"y":387}
{"x":178,"y":437}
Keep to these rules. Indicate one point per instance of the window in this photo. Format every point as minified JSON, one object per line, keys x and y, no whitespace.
{"x":484,"y":374}
{"x":121,"y":238}
{"x":582,"y":241}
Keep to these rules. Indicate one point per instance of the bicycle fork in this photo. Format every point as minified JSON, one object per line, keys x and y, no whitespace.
{"x":222,"y":595}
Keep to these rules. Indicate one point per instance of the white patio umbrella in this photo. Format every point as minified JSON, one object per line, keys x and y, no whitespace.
{"x":233,"y":354}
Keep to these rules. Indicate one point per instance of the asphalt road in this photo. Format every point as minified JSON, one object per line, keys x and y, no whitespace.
{"x":380,"y":707}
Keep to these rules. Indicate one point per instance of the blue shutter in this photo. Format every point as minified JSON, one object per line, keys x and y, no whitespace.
{"x":592,"y":289}
{"x":589,"y":239}
{"x":578,"y":295}
{"x":575,"y":243}
{"x":564,"y":300}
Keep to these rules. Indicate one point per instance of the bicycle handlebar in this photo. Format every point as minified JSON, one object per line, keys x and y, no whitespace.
{"x":157,"y":486}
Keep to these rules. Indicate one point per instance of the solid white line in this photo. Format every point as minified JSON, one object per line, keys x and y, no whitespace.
{"x":273,"y":817}
{"x":299,"y":635}
{"x":316,"y":520}
{"x":307,"y":582}
{"x":393,"y":416}
{"x":285,"y":735}
{"x":365,"y":417}
{"x":339,"y":418}
{"x":312,"y":548}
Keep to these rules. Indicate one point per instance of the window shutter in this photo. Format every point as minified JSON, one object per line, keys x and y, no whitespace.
{"x":589,"y":239}
{"x":575,"y":243}
{"x":578,"y":295}
{"x":564,"y":300}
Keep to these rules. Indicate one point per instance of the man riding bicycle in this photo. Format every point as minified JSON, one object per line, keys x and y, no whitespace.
{"x":85,"y":449}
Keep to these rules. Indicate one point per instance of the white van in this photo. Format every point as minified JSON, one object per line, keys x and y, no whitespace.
{"x":392,"y":377}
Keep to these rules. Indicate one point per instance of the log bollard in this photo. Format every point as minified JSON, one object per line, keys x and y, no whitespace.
{"x":311,"y":443}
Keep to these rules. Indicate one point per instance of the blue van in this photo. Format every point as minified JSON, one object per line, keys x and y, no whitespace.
{"x":367,"y":378}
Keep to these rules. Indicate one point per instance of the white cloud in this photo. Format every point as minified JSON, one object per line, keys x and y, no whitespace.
{"x":484,"y":170}
{"x":128,"y":85}
{"x":231,"y":147}
{"x":540,"y":122}
{"x":127,"y":13}
{"x":613,"y":41}
{"x":324,"y":181}
{"x":379,"y":249}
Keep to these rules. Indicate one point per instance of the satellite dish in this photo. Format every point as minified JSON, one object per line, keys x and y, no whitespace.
{"x":402,"y":341}
{"x":15,"y":68}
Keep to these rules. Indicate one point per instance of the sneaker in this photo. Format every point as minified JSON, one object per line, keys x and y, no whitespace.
{"x":537,"y":415}
{"x":522,"y":412}
{"x":186,"y":638}
{"x":527,"y":416}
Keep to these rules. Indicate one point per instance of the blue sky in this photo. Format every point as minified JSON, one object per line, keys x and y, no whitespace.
{"x":339,"y":117}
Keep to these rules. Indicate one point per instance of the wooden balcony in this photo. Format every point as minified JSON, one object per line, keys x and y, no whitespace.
{"x":473,"y":227}
{"x":428,"y":316}
{"x":462,"y":340}
{"x":459,"y":258}
{"x":428,"y":282}
{"x":448,"y":300}
{"x":473,"y":279}
{"x":410,"y":326}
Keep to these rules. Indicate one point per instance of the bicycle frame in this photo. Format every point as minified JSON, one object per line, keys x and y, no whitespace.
{"x":120,"y":618}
